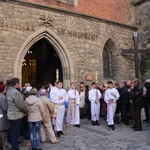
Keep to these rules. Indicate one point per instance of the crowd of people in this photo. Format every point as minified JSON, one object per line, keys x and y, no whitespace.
{"x":29,"y":111}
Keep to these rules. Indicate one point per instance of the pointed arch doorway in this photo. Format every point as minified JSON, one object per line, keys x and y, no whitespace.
{"x":40,"y":64}
{"x":56,"y":50}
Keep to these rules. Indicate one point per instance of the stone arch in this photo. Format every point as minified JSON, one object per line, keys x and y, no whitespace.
{"x":110,"y":61}
{"x":59,"y":46}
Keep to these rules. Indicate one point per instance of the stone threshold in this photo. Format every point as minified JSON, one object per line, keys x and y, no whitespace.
{"x":133,"y":28}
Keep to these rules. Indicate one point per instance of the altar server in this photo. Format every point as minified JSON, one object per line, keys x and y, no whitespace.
{"x":94,"y":97}
{"x":110,"y":97}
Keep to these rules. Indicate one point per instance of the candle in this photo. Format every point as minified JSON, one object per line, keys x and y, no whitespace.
{"x":57,"y":75}
{"x":96,"y":77}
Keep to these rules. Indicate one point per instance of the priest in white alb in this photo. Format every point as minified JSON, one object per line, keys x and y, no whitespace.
{"x":73,"y":114}
{"x":58,"y":97}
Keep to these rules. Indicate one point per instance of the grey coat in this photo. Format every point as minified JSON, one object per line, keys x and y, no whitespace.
{"x":17,"y":108}
{"x":4,"y":122}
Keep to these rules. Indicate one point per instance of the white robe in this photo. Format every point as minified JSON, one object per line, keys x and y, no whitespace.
{"x":53,"y":88}
{"x":58,"y":122}
{"x":73,"y":115}
{"x":111,"y":104}
{"x":82,"y":99}
{"x":95,"y":108}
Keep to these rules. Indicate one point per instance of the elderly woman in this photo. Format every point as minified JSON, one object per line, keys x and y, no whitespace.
{"x":35,"y":110}
{"x":46,"y":121}
{"x":4,"y":123}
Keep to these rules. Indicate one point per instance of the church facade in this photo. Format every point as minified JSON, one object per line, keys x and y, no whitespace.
{"x":89,"y":47}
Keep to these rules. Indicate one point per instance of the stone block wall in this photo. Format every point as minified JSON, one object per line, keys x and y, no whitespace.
{"x":143,"y":24}
{"x":83,"y":37}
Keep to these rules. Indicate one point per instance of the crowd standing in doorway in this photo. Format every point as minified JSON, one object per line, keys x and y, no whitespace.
{"x":29,"y":111}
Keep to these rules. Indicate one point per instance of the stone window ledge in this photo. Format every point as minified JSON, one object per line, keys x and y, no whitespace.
{"x":73,"y":2}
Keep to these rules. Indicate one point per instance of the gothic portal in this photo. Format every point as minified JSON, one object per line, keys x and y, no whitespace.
{"x":40,"y":64}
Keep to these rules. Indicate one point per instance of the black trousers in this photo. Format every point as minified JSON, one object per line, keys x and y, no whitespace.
{"x":146,"y":109}
{"x":15,"y":126}
{"x":137,"y":117}
{"x":1,"y":145}
{"x":124,"y":113}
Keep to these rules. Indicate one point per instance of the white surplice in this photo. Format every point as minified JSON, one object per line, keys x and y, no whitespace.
{"x":73,"y":114}
{"x":111,"y":104}
{"x":53,"y":88}
{"x":58,"y":122}
{"x":94,"y":94}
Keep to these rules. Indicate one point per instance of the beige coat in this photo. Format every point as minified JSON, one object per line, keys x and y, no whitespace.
{"x":48,"y":109}
{"x":35,"y":108}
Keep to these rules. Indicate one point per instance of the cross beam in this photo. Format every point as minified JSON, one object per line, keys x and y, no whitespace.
{"x":136,"y":51}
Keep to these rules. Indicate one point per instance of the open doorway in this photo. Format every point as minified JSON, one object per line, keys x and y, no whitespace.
{"x":40,"y":64}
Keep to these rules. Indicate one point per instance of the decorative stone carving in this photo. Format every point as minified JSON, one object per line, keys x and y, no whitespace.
{"x":46,"y":20}
{"x":89,"y":78}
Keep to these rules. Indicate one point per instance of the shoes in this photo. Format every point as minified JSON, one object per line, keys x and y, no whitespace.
{"x":137,"y":130}
{"x":33,"y":149}
{"x":146,"y":120}
{"x":123,"y":125}
{"x":133,"y":127}
{"x":56,"y":141}
{"x":27,"y":143}
{"x":77,"y":125}
{"x":97,"y":123}
{"x":93,"y":123}
{"x":113,"y":127}
{"x":58,"y":134}
{"x":61,"y":132}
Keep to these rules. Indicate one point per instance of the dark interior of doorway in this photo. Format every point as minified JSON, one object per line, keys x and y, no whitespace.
{"x":40,"y":64}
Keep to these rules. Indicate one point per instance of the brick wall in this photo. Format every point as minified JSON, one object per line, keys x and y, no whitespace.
{"x":113,"y":10}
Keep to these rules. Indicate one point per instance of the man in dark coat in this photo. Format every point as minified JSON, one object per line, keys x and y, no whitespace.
{"x":124,"y":100}
{"x":137,"y":99}
{"x":16,"y":111}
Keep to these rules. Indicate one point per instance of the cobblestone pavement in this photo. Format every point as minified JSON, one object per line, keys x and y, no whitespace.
{"x":89,"y":137}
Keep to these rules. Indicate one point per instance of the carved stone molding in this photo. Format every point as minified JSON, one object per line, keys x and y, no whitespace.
{"x":46,"y":20}
{"x":73,"y":2}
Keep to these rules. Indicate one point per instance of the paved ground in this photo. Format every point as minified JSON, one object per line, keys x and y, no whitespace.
{"x":90,"y":137}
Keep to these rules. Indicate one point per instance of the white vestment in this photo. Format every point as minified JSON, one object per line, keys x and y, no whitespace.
{"x":82,"y":99}
{"x":58,"y":121}
{"x":73,"y":114}
{"x":111,"y":104}
{"x":53,"y":88}
{"x":94,"y":95}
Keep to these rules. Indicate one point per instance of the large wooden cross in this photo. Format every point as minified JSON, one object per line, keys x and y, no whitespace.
{"x":136,"y":51}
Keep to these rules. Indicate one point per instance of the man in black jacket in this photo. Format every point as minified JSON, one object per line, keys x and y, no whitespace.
{"x":137,"y":99}
{"x":124,"y":100}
